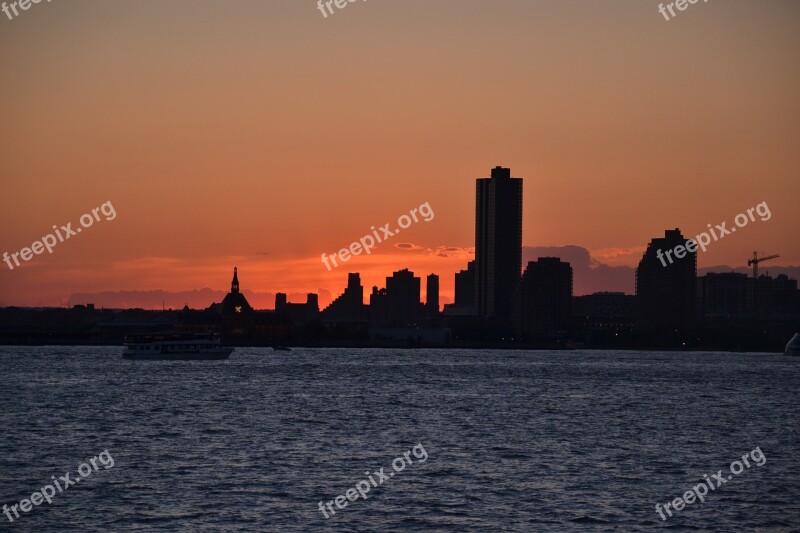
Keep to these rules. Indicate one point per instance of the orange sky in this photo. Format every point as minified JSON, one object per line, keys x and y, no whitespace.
{"x":259,"y":133}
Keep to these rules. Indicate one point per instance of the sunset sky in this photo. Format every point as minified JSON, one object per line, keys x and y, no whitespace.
{"x":261,"y":134}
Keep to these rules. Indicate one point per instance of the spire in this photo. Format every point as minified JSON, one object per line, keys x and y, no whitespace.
{"x":235,"y":282}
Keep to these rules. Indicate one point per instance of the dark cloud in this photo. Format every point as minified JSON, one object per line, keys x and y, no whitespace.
{"x":588,"y":275}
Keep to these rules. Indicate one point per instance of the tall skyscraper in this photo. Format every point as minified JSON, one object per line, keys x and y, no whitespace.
{"x":498,"y":242}
{"x":432,"y":295}
{"x":665,"y":288}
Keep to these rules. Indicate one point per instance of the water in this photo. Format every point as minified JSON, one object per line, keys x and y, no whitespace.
{"x":516,"y":441}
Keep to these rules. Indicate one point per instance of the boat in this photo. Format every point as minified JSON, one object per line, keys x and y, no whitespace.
{"x":793,"y":346}
{"x":281,"y":349}
{"x":175,"y":347}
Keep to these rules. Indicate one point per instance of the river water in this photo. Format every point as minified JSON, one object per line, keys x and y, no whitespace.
{"x":498,"y":440}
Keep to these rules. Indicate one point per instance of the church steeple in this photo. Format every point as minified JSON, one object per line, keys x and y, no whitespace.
{"x":235,"y":282}
{"x":234,"y":304}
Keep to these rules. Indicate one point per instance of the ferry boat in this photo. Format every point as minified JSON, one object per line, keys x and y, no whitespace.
{"x":176,"y":347}
{"x":793,"y":346}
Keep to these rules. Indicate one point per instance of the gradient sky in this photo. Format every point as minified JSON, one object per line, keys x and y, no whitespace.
{"x":260,"y":134}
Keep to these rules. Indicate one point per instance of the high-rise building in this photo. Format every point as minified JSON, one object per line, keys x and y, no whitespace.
{"x":464,"y":304}
{"x":398,"y":305}
{"x":498,"y":242}
{"x":349,"y":306}
{"x":432,"y":295}
{"x":545,"y":299}
{"x":665,"y":285}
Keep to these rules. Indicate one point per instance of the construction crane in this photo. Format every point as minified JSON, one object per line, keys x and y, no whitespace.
{"x":756,"y":260}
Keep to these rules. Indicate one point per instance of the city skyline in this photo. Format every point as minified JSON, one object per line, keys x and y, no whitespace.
{"x":498,"y":219}
{"x":689,"y":126}
{"x":605,"y":277}
{"x":420,"y":249}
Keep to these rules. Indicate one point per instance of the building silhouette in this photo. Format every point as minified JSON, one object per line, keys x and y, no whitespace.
{"x":773,"y":297}
{"x":786,"y":298}
{"x":234,"y":303}
{"x":398,"y":305}
{"x":298,"y":313}
{"x":603,"y":319}
{"x":349,"y":306}
{"x":665,"y":290}
{"x":464,"y":304}
{"x":432,"y":296}
{"x":498,"y":242}
{"x":604,"y":305}
{"x":545,"y":300}
{"x":725,"y":295}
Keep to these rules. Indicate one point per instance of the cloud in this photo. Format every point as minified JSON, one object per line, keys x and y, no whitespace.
{"x":439,"y":251}
{"x":408,"y":246}
{"x":620,"y":256}
{"x":453,"y":251}
{"x":588,"y":274}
